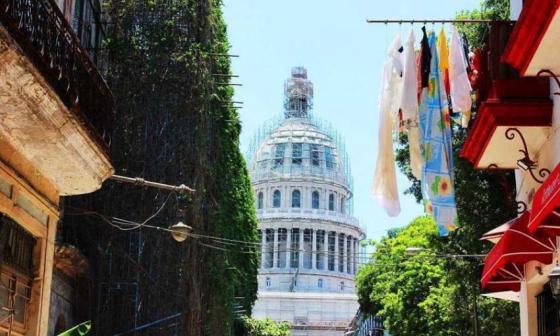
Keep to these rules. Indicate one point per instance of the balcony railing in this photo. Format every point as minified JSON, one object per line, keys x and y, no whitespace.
{"x":318,"y":214}
{"x":48,"y":41}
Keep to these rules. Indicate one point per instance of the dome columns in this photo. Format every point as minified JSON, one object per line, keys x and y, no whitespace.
{"x":308,"y":249}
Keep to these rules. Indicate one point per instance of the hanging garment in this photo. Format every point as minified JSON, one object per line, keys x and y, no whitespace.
{"x":443,"y":53}
{"x":409,"y":101}
{"x":437,"y":173}
{"x":425,"y":59}
{"x":409,"y":105}
{"x":384,"y":187}
{"x":461,"y":99}
{"x":466,"y":51}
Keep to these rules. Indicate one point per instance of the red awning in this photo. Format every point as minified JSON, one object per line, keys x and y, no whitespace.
{"x":546,"y":204}
{"x":497,"y":233}
{"x":503,"y":266}
{"x":535,"y":33}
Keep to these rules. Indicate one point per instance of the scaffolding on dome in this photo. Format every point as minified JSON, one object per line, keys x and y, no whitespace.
{"x":324,"y":127}
{"x":311,"y":158}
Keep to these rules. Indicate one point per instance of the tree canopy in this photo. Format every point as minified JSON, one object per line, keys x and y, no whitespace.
{"x":265,"y":327}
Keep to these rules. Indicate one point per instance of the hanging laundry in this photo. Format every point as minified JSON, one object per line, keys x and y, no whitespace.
{"x":409,"y":105}
{"x":409,"y":101}
{"x":425,"y":59}
{"x":461,"y":99}
{"x":443,"y":53}
{"x":435,"y":128}
{"x":385,"y":180}
{"x":466,"y":51}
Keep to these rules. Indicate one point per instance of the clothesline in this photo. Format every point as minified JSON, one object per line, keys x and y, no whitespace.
{"x":401,"y":21}
{"x":420,"y":88}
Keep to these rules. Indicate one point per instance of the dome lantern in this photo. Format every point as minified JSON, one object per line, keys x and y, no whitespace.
{"x":298,"y":94}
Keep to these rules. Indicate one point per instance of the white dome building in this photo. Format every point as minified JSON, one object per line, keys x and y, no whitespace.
{"x":310,"y":240}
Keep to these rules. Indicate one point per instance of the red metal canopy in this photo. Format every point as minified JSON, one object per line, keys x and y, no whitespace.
{"x":503,"y":266}
{"x":533,"y":24}
{"x":546,"y":204}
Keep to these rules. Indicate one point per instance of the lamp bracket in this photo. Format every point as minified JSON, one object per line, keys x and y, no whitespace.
{"x":528,"y":163}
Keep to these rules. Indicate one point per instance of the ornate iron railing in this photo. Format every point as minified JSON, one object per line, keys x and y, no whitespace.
{"x":47,"y":39}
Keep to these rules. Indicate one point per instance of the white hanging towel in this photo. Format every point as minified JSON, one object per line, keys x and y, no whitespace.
{"x":409,"y":101}
{"x":461,"y":99}
{"x":409,"y":105}
{"x":385,"y":180}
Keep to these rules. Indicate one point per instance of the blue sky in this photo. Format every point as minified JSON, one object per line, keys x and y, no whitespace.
{"x":343,"y":56}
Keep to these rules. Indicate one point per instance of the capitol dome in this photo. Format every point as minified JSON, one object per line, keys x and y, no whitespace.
{"x":309,"y":239}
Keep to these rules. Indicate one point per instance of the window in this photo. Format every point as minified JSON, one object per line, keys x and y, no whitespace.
{"x":268,"y":282}
{"x":260,"y":199}
{"x":342,"y":286}
{"x":329,"y":159}
{"x":297,"y":154}
{"x":296,"y":199}
{"x":279,"y":155}
{"x":342,"y":205}
{"x":16,"y":258}
{"x":315,"y":200}
{"x":294,"y":249}
{"x":331,"y":242}
{"x":269,"y":248}
{"x":331,"y":202}
{"x":320,"y":283}
{"x":259,"y":232}
{"x":276,"y":196}
{"x":307,"y":248}
{"x":281,"y":248}
{"x":315,"y":155}
{"x":349,"y":255}
{"x":320,"y":262}
{"x":341,"y":252}
{"x":547,"y":313}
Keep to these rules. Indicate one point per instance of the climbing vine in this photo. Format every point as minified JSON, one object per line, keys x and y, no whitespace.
{"x":168,"y":68}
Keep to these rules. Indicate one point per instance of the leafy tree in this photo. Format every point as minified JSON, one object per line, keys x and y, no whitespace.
{"x":422,"y":294}
{"x":266,"y":327}
{"x":412,"y":293}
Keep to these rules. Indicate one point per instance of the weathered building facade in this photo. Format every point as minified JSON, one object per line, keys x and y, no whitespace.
{"x":309,"y":238}
{"x":55,"y":110}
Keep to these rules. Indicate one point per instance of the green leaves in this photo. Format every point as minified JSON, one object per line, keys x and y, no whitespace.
{"x":266,"y":327}
{"x":410,"y":292}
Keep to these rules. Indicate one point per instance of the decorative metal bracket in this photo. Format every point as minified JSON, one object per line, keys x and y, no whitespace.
{"x":521,"y":206}
{"x":553,"y":76}
{"x":526,"y":163}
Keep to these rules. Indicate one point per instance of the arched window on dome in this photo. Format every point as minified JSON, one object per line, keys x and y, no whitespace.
{"x":260,"y":200}
{"x":297,"y":154}
{"x":343,"y":205}
{"x":329,"y":159}
{"x":296,"y":199}
{"x":315,"y":200}
{"x":331,"y":202}
{"x":279,"y":155}
{"x":315,"y":155}
{"x":276,"y":196}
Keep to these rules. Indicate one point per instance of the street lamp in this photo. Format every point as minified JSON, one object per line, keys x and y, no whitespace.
{"x":554,"y":278}
{"x":180,"y":231}
{"x":412,"y":251}
{"x":415,"y":250}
